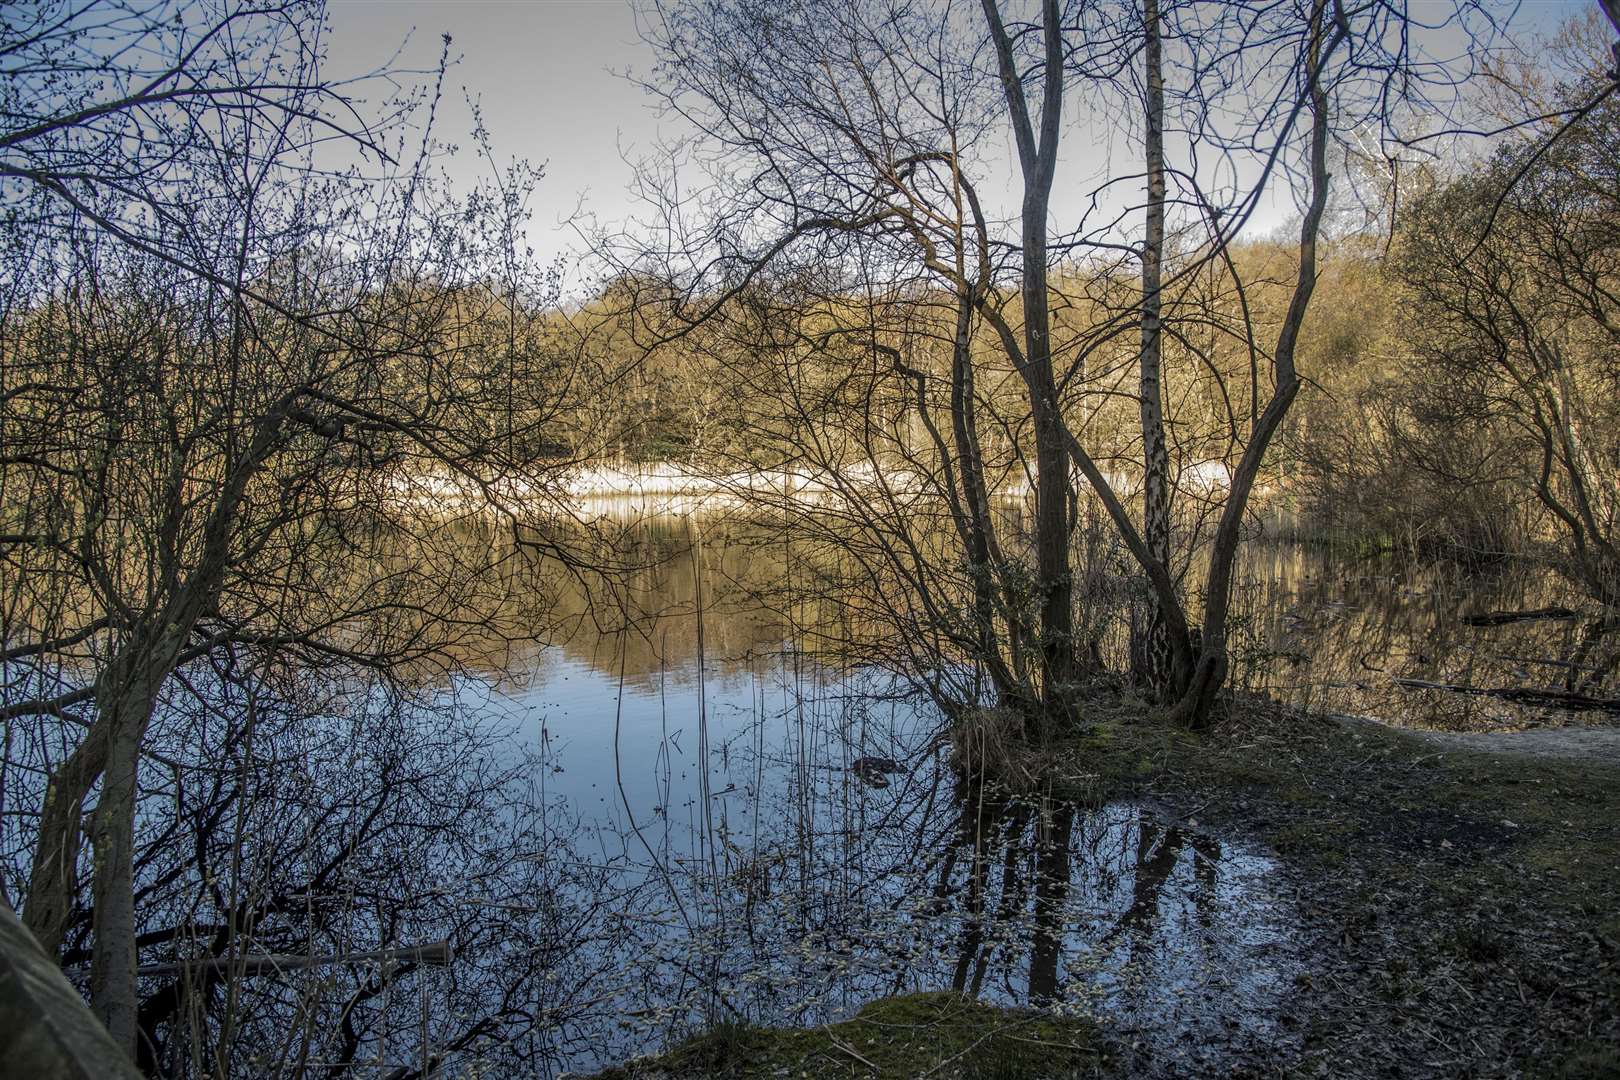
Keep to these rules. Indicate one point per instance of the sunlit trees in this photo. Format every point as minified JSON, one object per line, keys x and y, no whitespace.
{"x":851,"y":145}
{"x":1512,"y":322}
{"x":1478,"y":420}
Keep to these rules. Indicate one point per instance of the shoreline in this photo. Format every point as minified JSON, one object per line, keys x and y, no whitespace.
{"x":682,"y":488}
{"x":1456,"y":904}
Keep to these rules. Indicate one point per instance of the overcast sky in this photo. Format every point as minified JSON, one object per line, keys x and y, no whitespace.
{"x":549,"y":77}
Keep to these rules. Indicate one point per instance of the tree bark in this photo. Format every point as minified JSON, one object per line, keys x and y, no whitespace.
{"x":53,"y":880}
{"x":125,"y":700}
{"x":1037,"y":155}
{"x":45,"y":1030}
{"x":1150,"y":652}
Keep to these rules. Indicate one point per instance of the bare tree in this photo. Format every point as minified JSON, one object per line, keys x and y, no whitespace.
{"x":1512,"y":329}
{"x":112,"y":110}
{"x":850,"y":142}
{"x":322,"y":820}
{"x":245,"y":402}
{"x":1151,"y":658}
{"x":1037,"y":135}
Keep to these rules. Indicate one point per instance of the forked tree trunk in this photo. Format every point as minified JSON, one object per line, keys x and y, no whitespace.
{"x":53,"y":880}
{"x":125,"y":704}
{"x":126,"y":694}
{"x":978,"y":525}
{"x":1037,"y":156}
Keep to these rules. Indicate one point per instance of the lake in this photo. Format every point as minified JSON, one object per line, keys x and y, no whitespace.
{"x":765,"y":828}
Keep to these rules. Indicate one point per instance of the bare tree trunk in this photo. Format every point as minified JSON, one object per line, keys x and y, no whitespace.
{"x":53,"y":881}
{"x":1037,"y":154}
{"x":970,"y":465}
{"x":1051,"y":501}
{"x":126,"y":696}
{"x":125,"y":706}
{"x":1150,"y":652}
{"x":1198,"y":697}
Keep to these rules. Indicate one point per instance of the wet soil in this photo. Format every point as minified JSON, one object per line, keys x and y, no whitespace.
{"x":1456,"y":902}
{"x":1459,"y":895}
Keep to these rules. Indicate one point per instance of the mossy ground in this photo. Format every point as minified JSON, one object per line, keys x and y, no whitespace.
{"x":1327,"y":791}
{"x":940,"y":1035}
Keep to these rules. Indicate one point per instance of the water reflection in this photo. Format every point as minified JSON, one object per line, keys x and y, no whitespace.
{"x":1311,"y":627}
{"x":1352,"y":636}
{"x":770,"y":879}
{"x":776,"y":834}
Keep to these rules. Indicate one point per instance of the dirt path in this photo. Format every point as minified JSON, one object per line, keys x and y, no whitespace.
{"x":1456,"y":891}
{"x":1596,"y":745}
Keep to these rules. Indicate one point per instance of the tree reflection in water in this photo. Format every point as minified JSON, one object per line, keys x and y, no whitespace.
{"x":824,"y":851}
{"x":827,"y":892}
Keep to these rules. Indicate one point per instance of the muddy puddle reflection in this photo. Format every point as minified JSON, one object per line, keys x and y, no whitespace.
{"x":830,"y":854}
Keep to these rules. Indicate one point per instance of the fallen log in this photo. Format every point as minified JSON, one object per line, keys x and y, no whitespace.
{"x":1503,"y":618}
{"x":431,"y":954}
{"x":1550,"y":699}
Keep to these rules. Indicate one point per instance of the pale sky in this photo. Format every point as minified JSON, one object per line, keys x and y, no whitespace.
{"x":549,"y":77}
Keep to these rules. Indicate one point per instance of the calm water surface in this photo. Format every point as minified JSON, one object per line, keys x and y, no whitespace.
{"x":758,"y":835}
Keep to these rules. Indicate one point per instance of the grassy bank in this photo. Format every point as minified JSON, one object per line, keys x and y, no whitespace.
{"x":941,"y":1035}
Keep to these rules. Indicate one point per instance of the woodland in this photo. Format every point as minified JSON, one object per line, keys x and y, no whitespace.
{"x":307,"y":456}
